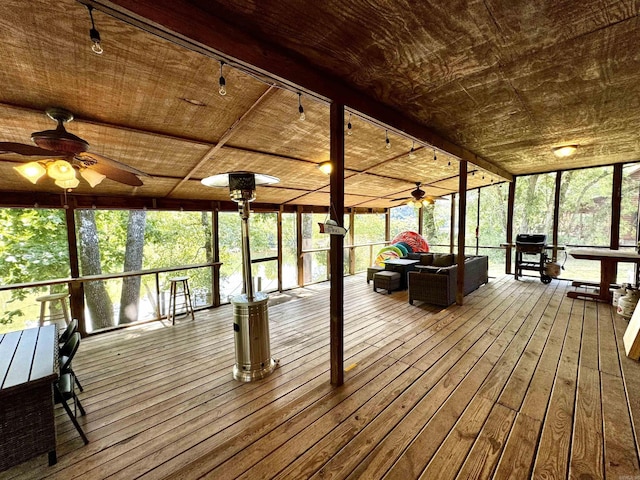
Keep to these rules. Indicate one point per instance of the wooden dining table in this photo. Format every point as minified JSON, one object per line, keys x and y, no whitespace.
{"x":28,"y":368}
{"x":609,"y":260}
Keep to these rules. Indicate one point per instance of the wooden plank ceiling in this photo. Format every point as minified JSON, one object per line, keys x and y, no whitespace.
{"x":503,"y":81}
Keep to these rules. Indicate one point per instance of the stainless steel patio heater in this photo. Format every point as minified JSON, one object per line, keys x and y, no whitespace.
{"x":250,"y":313}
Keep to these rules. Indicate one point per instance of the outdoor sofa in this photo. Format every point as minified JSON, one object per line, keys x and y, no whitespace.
{"x":436,"y":283}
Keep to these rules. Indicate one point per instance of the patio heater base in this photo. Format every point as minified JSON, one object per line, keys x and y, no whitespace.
{"x":251,"y":333}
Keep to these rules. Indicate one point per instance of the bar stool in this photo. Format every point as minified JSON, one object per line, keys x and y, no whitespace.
{"x":51,"y":300}
{"x":174,"y":292}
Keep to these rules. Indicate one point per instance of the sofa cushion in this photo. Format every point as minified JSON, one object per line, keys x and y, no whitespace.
{"x":426,"y":258}
{"x":413,"y":256}
{"x":443,"y":260}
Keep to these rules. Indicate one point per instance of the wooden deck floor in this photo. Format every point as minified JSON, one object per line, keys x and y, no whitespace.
{"x":521,"y":381}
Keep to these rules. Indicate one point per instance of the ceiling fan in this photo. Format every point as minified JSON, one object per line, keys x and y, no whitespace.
{"x":418,"y":197}
{"x":67,"y":153}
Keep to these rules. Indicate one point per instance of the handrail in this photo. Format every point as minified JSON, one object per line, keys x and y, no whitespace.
{"x":105,"y":276}
{"x":265,"y":259}
{"x":357,"y":245}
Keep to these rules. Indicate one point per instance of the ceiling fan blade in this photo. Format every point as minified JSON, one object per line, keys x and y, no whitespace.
{"x":398,"y":199}
{"x":28,"y":150}
{"x":93,"y":158}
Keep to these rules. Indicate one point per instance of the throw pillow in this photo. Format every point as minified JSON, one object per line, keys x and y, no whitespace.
{"x":443,"y":260}
{"x":426,"y":258}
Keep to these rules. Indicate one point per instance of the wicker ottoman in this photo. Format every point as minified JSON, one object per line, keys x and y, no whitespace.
{"x":386,"y":279}
{"x":371,"y":271}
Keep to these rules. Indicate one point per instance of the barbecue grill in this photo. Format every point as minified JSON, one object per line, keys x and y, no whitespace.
{"x":530,"y":254}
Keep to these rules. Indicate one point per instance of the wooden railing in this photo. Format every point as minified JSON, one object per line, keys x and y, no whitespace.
{"x":76,"y":287}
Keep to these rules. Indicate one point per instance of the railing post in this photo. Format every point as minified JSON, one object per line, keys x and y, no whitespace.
{"x":159,"y":310}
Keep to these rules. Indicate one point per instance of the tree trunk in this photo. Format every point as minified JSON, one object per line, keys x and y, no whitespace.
{"x":98,"y":301}
{"x":130,"y":296}
{"x":206,"y":230}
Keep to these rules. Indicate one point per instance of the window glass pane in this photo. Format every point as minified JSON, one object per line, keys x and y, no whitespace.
{"x":472,"y":219}
{"x":585,"y":217}
{"x":289,"y":256}
{"x":436,"y":222}
{"x":229,"y":232}
{"x":585,"y":207}
{"x":368,"y":228}
{"x":492,"y":230}
{"x":629,"y":206}
{"x":629,"y":219}
{"x":533,"y":208}
{"x":402,"y":219}
{"x":33,"y":247}
{"x":114,"y":241}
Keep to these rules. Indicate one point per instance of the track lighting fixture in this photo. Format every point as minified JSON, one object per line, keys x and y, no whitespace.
{"x":94,"y":34}
{"x":222,"y":82}
{"x":301,"y":108}
{"x":349,"y":129}
{"x":412,"y":153}
{"x":388,"y":142}
{"x":449,"y":163}
{"x":434,"y":155}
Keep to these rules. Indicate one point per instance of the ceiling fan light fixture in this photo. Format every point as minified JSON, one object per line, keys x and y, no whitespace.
{"x":61,"y":170}
{"x":68,"y":184}
{"x":92,"y":177}
{"x":32,"y":171}
{"x":565,"y":151}
{"x":325,"y":167}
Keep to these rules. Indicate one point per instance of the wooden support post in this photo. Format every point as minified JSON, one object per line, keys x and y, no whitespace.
{"x":352,"y":241}
{"x":616,"y":204}
{"x":478,"y":223}
{"x":420,"y":219}
{"x":279,"y":240}
{"x":510,"y":208}
{"x":215,"y":244}
{"x":556,"y":215}
{"x":76,"y":289}
{"x":299,"y":246}
{"x":387,"y":225}
{"x":452,"y":233}
{"x":337,"y":243}
{"x":462,"y":217}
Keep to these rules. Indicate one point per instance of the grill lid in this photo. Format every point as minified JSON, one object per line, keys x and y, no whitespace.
{"x":531,"y":239}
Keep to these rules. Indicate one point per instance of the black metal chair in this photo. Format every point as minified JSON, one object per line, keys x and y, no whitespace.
{"x":66,"y":354}
{"x":64,"y":391}
{"x":70,"y":330}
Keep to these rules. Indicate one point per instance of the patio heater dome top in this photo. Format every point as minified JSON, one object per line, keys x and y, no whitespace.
{"x":222,"y":179}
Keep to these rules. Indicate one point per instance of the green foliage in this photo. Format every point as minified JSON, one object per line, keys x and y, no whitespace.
{"x":33,"y":245}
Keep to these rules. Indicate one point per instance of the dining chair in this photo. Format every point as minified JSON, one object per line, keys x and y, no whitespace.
{"x":66,"y":354}
{"x":65,"y":391}
{"x":70,"y":330}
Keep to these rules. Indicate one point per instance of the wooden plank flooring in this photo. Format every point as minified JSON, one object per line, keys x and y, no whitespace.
{"x":519,"y":382}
